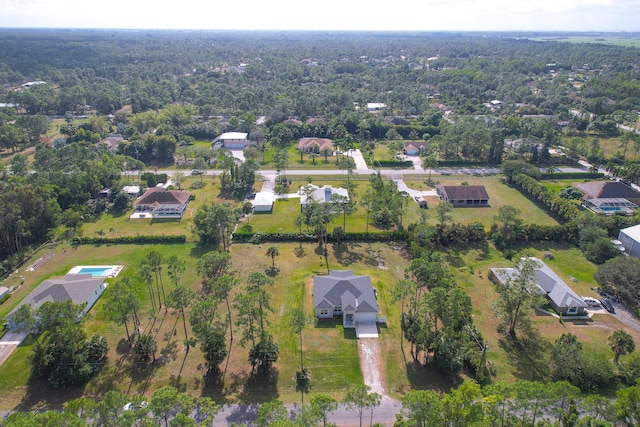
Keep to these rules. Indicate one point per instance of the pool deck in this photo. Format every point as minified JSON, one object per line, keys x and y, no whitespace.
{"x":114,"y":270}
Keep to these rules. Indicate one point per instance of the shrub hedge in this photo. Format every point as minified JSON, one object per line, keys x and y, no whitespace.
{"x":127,"y":240}
{"x":258,"y":237}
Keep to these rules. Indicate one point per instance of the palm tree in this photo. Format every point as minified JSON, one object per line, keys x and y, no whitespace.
{"x":621,"y":343}
{"x":273,"y":253}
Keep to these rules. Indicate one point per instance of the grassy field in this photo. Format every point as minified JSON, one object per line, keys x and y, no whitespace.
{"x":115,"y":224}
{"x":329,"y":351}
{"x":500,"y":194}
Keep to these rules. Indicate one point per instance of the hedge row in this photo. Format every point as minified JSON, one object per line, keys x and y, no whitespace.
{"x":126,"y":240}
{"x":572,"y":175}
{"x":258,"y":237}
{"x":563,"y":208}
{"x":393,"y":163}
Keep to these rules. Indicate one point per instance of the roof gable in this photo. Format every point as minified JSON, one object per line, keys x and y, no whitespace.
{"x":162,"y":196}
{"x":75,"y":287}
{"x":341,"y":288}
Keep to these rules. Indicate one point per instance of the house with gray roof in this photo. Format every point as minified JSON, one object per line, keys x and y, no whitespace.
{"x":559,"y":295}
{"x":343,"y":294}
{"x":78,"y":288}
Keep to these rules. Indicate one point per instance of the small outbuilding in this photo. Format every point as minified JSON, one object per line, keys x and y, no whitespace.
{"x":463,"y":195}
{"x":263,"y":202}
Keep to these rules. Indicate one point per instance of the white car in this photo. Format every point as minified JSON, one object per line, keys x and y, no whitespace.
{"x":591,"y":302}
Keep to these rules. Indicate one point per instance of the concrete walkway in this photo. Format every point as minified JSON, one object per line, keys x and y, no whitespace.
{"x":358,"y":159}
{"x":9,"y":342}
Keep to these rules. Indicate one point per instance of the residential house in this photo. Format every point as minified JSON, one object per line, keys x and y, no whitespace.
{"x":376,"y":106}
{"x":158,"y":202}
{"x":78,"y":288}
{"x":313,"y":194}
{"x":343,"y":294}
{"x":559,"y":295}
{"x":232,"y":140}
{"x":316,"y":145}
{"x":463,"y":195}
{"x":112,"y":142}
{"x":397,"y":120}
{"x":292,"y":122}
{"x":630,"y":238}
{"x":414,"y":148}
{"x":609,"y":196}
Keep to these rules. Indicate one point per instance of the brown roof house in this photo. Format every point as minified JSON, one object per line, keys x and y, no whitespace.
{"x":315,"y":145}
{"x":158,"y":202}
{"x":112,"y":142}
{"x":463,"y":195}
{"x":414,"y":148}
{"x":608,"y":190}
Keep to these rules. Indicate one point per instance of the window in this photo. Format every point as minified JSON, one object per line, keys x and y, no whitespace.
{"x":338,"y":308}
{"x":324,"y":312}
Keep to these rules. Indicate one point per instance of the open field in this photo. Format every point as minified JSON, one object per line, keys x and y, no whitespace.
{"x":329,"y":352}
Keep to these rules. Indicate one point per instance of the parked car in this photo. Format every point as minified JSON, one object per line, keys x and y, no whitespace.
{"x":591,"y":302}
{"x":607,"y":305}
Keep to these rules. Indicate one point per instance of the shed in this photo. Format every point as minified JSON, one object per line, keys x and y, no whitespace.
{"x":263,"y":202}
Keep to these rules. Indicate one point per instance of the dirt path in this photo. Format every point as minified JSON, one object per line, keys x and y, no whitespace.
{"x":371,"y":365}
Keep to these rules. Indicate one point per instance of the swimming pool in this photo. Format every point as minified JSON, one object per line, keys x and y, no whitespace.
{"x":97,"y":270}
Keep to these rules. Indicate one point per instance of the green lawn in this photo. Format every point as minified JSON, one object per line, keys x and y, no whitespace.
{"x":500,"y":194}
{"x":329,"y":351}
{"x":115,"y":224}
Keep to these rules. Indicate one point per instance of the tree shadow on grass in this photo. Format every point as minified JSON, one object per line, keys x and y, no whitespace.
{"x":344,"y":255}
{"x":213,"y":386}
{"x":260,"y":387}
{"x":176,"y":379}
{"x":528,"y":355}
{"x":427,"y":377}
{"x":272,"y":271}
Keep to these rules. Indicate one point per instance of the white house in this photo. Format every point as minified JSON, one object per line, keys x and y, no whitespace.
{"x":342,"y":294}
{"x":630,"y":239}
{"x":263,"y":202}
{"x":313,"y":194}
{"x":79,"y":288}
{"x":158,"y":202}
{"x":232,"y":140}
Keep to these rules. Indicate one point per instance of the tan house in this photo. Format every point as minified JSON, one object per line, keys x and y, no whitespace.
{"x":414,"y":148}
{"x":316,"y":145}
{"x":158,"y":202}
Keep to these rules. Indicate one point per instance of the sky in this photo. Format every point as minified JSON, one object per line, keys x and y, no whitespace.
{"x":409,"y":15}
